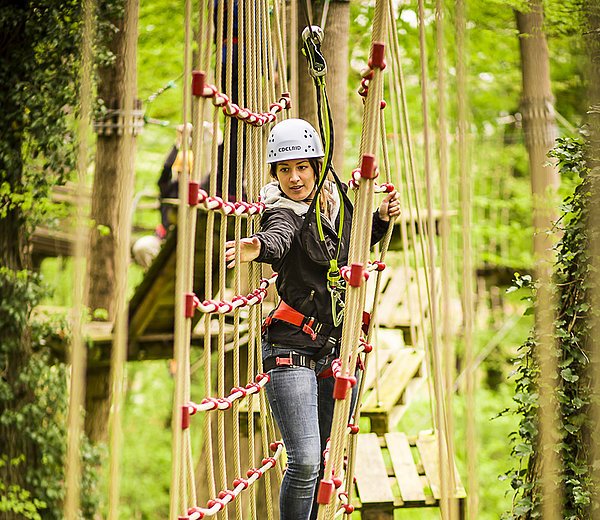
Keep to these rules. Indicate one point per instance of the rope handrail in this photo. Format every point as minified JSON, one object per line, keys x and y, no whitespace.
{"x":230,"y":109}
{"x":225,"y":403}
{"x":224,"y":307}
{"x":198,"y":196}
{"x":239,"y":484}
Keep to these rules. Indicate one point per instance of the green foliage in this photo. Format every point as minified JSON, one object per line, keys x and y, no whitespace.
{"x":573,"y":388}
{"x":36,"y":426}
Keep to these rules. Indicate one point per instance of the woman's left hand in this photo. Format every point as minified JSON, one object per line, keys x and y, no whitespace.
{"x":390,"y":206}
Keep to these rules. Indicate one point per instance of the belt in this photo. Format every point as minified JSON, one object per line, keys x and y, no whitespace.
{"x":293,"y":359}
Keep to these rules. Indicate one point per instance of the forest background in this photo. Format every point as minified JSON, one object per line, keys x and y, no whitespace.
{"x":502,"y":231}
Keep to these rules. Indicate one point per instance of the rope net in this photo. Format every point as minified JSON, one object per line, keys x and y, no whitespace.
{"x":243,"y":90}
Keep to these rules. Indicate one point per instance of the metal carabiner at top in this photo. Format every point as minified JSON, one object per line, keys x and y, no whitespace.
{"x":312,"y":36}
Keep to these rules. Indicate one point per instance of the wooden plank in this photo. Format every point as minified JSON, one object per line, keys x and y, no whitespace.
{"x":394,"y":379}
{"x":405,"y":469}
{"x":427,"y":447}
{"x":372,"y":481}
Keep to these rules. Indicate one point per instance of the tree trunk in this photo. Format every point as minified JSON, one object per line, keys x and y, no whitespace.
{"x":335,"y":50}
{"x":537,"y":109}
{"x":106,"y":217}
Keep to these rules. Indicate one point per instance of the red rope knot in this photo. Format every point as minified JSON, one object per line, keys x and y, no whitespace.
{"x":216,"y":502}
{"x":195,"y":513}
{"x":354,"y":428}
{"x":240,"y":208}
{"x":211,"y":400}
{"x":224,"y":403}
{"x":213,"y":202}
{"x":377,"y":59}
{"x":260,"y":377}
{"x":238,"y":389}
{"x":228,"y":207}
{"x":210,"y":306}
{"x":221,"y":99}
{"x":243,"y":114}
{"x":253,"y":388}
{"x":337,"y":482}
{"x":275,"y":445}
{"x":380,"y":265}
{"x":252,"y":118}
{"x":202,"y":196}
{"x":231,"y":110}
{"x":367,"y":347}
{"x":210,"y":91}
{"x":386,"y":187}
{"x":240,"y":481}
{"x":268,"y":462}
{"x":224,"y":307}
{"x":253,"y":471}
{"x":348,"y":509}
{"x":227,"y":494}
{"x":382,"y":104}
{"x":239,"y":298}
{"x":276,"y":107}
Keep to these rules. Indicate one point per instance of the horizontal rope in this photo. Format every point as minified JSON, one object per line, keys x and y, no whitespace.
{"x":225,"y":207}
{"x":225,"y":403}
{"x":224,"y":306}
{"x":221,"y":100}
{"x":239,"y":484}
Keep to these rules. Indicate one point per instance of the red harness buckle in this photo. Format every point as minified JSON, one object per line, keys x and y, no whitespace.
{"x":307,"y":329}
{"x":284,"y":361}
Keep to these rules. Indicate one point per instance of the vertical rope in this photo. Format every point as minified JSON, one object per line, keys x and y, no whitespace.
{"x":78,"y":353}
{"x":126,"y":169}
{"x":446,"y":343}
{"x":414,"y":205}
{"x":444,"y":466}
{"x":180,"y":462}
{"x":294,"y":46}
{"x":467,"y":259}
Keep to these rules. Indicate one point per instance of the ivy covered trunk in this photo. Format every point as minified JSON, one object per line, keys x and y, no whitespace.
{"x":573,"y":274}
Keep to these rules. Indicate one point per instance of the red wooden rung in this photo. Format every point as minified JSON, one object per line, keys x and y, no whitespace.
{"x":193,"y":193}
{"x":189,"y":305}
{"x":326,"y":490}
{"x":356,"y":275}
{"x":377,"y":60}
{"x":367,"y":166}
{"x":198,"y":83}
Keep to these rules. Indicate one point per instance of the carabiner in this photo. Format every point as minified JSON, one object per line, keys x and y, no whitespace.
{"x":312,"y":37}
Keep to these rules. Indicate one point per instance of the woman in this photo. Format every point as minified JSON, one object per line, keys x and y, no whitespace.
{"x":305,"y":246}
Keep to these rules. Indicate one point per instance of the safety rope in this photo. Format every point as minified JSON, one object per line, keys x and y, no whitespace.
{"x":467,"y":259}
{"x":78,"y":352}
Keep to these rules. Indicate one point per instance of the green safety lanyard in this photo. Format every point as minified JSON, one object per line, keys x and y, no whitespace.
{"x":312,"y":37}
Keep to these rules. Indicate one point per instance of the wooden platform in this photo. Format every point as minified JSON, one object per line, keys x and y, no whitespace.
{"x":395,"y":471}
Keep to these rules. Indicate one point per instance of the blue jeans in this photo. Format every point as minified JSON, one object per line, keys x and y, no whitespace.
{"x":302,"y":405}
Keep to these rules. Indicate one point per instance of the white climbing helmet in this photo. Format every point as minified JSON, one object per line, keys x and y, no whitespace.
{"x":293,"y":139}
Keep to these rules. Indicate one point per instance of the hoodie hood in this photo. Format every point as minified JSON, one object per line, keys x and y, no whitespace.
{"x":273,"y":198}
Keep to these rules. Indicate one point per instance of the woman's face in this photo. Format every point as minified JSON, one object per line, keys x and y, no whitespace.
{"x":296,"y":178}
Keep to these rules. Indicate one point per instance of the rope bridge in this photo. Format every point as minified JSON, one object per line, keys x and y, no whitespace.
{"x":258,"y":38}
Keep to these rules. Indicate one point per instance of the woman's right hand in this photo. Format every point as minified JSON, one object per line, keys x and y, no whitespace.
{"x":249,"y":250}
